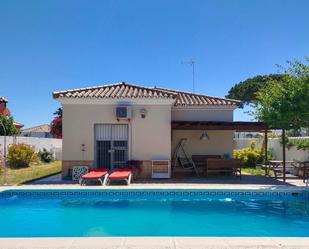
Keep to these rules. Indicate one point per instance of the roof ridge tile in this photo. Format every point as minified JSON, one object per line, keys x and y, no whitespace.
{"x":128,"y":90}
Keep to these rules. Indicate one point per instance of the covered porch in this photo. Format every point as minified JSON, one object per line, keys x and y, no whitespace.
{"x":206,"y":140}
{"x":208,"y":146}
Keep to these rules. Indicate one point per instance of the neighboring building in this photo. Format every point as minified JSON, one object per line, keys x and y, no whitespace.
{"x":37,"y":131}
{"x":95,"y":133}
{"x":242,"y":135}
{"x":6,"y":112}
{"x":18,"y":125}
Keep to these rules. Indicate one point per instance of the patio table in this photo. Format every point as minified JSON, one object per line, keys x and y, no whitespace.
{"x":277,"y":167}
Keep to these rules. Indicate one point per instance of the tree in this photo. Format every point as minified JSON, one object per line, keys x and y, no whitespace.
{"x":9,"y":126}
{"x":58,"y":113}
{"x":246,"y":90}
{"x":56,"y":124}
{"x":286,"y":105}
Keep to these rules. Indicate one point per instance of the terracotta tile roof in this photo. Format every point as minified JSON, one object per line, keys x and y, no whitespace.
{"x":39,"y":128}
{"x":188,"y":99}
{"x":125,"y":90}
{"x":18,"y":125}
{"x":118,"y":90}
{"x":3,"y":99}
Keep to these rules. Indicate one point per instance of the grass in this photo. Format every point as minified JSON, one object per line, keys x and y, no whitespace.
{"x":254,"y":171}
{"x":19,"y":176}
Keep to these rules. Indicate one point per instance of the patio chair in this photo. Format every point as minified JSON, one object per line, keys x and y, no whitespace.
{"x":94,"y":175}
{"x":121,"y":175}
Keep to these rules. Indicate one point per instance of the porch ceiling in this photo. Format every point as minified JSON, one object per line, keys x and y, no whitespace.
{"x":219,"y":125}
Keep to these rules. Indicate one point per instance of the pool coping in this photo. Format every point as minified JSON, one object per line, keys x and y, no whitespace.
{"x":158,"y":187}
{"x":148,"y":186}
{"x":155,"y":242}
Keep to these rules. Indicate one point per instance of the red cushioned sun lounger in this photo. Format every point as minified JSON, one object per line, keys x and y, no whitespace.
{"x":95,"y":175}
{"x":121,"y":175}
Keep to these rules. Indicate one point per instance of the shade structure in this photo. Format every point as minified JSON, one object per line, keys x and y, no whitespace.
{"x":235,"y":126}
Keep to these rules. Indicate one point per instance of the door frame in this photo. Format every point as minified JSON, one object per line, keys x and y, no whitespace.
{"x":112,"y":141}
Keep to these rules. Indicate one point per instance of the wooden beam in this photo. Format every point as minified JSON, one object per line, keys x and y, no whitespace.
{"x":219,"y":125}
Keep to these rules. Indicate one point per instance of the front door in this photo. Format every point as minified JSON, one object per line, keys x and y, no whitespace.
{"x":111,"y":145}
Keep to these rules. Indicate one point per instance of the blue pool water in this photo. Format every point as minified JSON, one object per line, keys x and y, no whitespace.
{"x":153,"y":213}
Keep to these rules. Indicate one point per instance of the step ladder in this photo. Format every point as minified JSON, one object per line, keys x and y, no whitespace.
{"x":181,"y":158}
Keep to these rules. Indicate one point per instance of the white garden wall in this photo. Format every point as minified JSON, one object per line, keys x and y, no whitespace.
{"x":51,"y":144}
{"x":274,"y":143}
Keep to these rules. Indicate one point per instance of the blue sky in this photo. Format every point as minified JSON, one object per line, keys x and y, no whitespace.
{"x":52,"y":45}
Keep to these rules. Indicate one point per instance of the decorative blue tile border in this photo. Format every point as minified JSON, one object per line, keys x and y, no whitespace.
{"x":157,"y":194}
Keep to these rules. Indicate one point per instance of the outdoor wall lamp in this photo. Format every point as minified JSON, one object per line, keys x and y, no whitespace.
{"x":204,"y":136}
{"x":143,"y":113}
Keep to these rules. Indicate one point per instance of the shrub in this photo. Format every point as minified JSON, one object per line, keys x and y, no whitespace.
{"x":20,"y":155}
{"x":301,"y":144}
{"x":46,"y":156}
{"x":250,"y":156}
{"x":1,"y":156}
{"x":35,"y":159}
{"x":56,"y":127}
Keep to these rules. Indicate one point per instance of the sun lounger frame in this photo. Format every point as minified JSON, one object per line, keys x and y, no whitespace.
{"x":127,"y":180}
{"x":102,"y":180}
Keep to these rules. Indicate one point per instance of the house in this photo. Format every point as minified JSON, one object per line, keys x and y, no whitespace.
{"x":4,"y":111}
{"x":42,"y":131}
{"x":105,"y":126}
{"x":18,"y":125}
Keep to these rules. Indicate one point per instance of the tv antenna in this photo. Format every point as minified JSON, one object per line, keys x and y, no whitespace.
{"x":192,"y":64}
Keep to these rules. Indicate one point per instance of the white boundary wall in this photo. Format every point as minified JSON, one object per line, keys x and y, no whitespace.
{"x":275,"y":145}
{"x":51,"y":144}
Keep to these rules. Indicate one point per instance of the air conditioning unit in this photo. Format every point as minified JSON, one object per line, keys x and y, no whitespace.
{"x":123,"y":112}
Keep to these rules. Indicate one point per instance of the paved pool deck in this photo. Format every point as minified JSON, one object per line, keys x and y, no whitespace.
{"x":247,"y":182}
{"x":156,"y":243}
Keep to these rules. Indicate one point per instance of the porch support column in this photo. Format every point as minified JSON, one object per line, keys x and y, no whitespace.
{"x":265,"y":148}
{"x":283,"y":153}
{"x":265,"y":154}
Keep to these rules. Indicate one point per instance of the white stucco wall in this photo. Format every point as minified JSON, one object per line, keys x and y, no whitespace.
{"x":219,"y":143}
{"x":202,"y":114}
{"x":51,"y":144}
{"x":275,"y":145}
{"x":149,"y":138}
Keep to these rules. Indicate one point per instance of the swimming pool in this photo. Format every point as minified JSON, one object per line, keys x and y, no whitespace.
{"x":82,"y":213}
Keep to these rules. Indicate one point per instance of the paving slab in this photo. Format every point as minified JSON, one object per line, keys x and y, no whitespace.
{"x":155,"y":243}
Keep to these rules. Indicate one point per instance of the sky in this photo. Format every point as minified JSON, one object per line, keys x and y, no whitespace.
{"x":47,"y":46}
